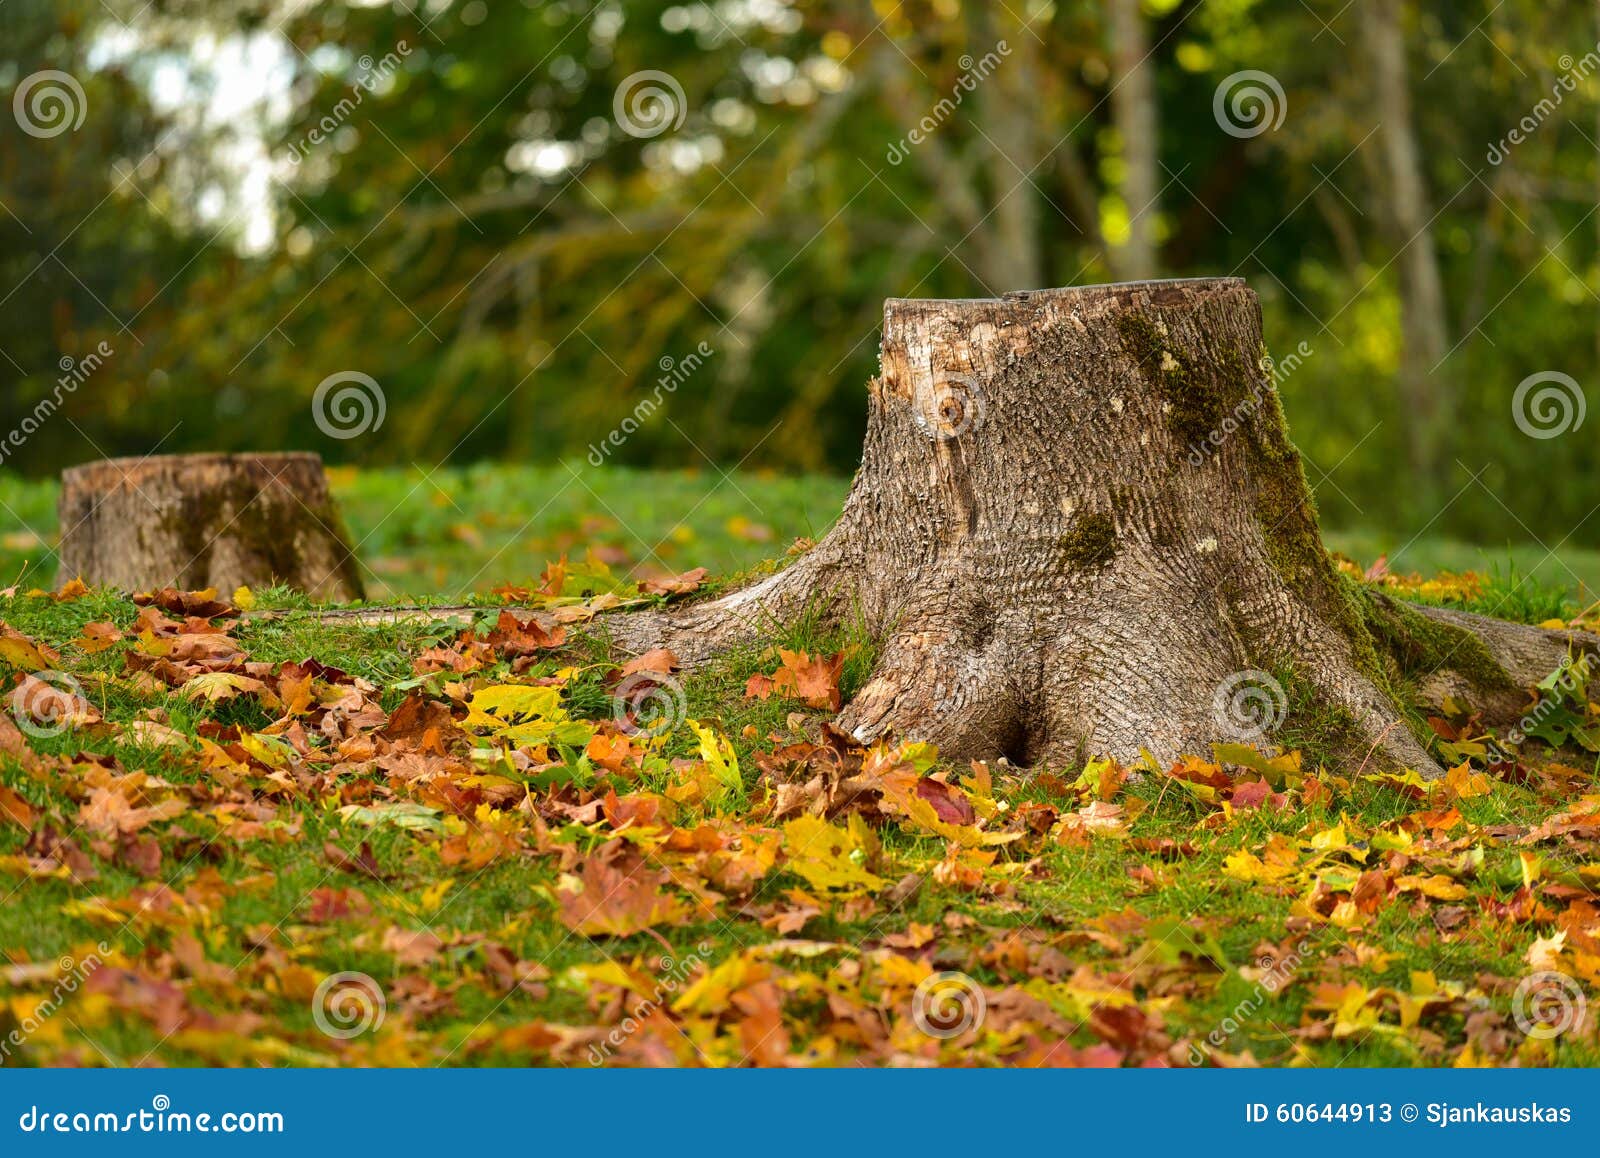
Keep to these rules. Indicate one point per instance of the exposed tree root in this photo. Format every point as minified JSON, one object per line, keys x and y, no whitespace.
{"x":1526,"y":654}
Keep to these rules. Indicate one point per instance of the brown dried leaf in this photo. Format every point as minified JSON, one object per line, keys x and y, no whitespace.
{"x":674,"y":584}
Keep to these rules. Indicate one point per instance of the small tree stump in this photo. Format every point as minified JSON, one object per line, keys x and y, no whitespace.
{"x":205,"y":520}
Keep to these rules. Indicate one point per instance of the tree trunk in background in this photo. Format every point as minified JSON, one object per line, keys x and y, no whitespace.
{"x":1084,"y":196}
{"x":1133,"y":110}
{"x":1079,"y":528}
{"x":1007,"y":116}
{"x":205,"y":520}
{"x":1422,"y":304}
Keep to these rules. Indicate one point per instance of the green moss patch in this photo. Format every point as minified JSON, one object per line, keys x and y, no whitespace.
{"x":1421,"y":646}
{"x":1197,"y":396}
{"x":1091,"y":543}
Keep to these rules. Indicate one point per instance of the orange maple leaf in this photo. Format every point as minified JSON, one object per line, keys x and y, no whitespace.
{"x":814,"y":680}
{"x":617,"y":896}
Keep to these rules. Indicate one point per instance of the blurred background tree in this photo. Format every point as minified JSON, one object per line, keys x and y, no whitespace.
{"x":520,"y":218}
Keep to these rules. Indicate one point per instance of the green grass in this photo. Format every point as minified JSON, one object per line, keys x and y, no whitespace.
{"x":229,"y":924}
{"x":1571,"y":569}
{"x":1185,"y":934}
{"x":474,"y":528}
{"x":460,"y":530}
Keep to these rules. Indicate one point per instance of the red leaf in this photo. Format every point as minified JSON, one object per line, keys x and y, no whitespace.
{"x":1251,"y":793}
{"x":952,"y":806}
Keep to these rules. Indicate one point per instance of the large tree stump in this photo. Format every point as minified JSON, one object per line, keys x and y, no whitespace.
{"x":1079,"y":528}
{"x":205,"y":520}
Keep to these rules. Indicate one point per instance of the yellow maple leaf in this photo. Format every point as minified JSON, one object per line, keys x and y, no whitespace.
{"x":1281,"y":861}
{"x":719,"y":756}
{"x":269,"y":750}
{"x":1346,"y":915}
{"x":19,"y":651}
{"x":712,"y":990}
{"x":1438,"y":886}
{"x":1462,"y":783}
{"x":525,"y":714}
{"x":828,"y":857}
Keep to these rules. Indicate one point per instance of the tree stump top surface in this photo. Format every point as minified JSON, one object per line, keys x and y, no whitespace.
{"x":134,"y":468}
{"x":1161,"y":290}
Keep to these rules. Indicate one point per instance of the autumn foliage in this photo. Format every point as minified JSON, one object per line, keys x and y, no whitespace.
{"x":223,"y":809}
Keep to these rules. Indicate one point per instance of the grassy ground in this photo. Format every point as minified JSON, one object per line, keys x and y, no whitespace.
{"x":436,"y":847}
{"x":457,"y":531}
{"x":461,"y":530}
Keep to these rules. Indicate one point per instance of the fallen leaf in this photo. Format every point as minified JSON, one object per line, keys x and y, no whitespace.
{"x":615,"y":895}
{"x":674,"y":584}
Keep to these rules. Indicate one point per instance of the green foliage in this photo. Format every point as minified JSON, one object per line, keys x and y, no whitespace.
{"x":457,"y":211}
{"x":1564,"y":714}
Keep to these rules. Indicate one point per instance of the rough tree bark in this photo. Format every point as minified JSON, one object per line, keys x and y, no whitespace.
{"x":1079,"y":528}
{"x":205,"y":520}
